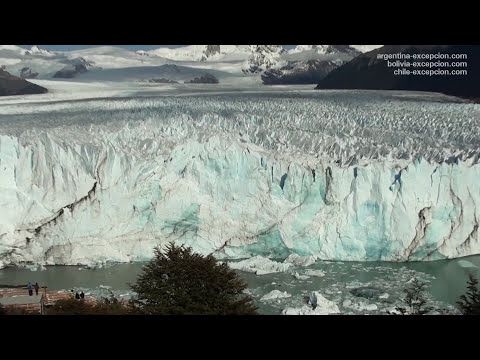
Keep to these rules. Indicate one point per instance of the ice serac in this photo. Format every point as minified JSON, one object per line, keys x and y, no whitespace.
{"x":239,"y":178}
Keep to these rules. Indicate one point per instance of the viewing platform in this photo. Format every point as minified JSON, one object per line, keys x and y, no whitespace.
{"x":15,"y":299}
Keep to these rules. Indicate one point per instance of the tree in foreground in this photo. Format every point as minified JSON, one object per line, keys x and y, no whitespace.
{"x":469,"y":304}
{"x":178,"y":281}
{"x":414,"y":300}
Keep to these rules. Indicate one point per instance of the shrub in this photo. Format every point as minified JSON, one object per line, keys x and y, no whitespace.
{"x":107,"y":306}
{"x":414,"y":300}
{"x":469,"y":304}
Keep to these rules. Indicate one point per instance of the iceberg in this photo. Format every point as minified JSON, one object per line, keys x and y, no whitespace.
{"x":274,"y":295}
{"x":298,"y":260}
{"x":317,"y":273}
{"x":317,"y":175}
{"x":297,"y":276}
{"x":466,"y":264}
{"x":259,"y":265}
{"x":317,"y":305}
{"x":359,"y":306}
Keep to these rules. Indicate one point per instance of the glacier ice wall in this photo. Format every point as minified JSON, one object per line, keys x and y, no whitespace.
{"x":239,"y":176}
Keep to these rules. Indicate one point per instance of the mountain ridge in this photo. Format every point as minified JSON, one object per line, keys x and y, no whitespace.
{"x":370,"y":71}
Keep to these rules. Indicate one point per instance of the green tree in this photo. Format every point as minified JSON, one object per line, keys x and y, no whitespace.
{"x":469,"y":304}
{"x":180,"y":282}
{"x":414,"y":300}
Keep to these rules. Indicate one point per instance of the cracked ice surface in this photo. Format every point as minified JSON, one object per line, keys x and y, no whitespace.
{"x":332,"y":175}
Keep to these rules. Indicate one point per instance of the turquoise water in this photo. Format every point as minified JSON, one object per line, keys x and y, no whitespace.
{"x":446,"y":281}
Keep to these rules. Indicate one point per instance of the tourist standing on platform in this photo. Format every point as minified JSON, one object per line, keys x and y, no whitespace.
{"x":36,"y":288}
{"x":30,"y":289}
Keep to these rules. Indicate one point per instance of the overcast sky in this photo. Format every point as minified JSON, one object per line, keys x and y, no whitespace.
{"x":130,"y":47}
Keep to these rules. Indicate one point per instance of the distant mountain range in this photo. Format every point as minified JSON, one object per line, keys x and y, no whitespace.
{"x":270,"y":64}
{"x":368,"y":71}
{"x":305,"y":64}
{"x":40,"y":63}
{"x":308,"y":64}
{"x":327,"y":66}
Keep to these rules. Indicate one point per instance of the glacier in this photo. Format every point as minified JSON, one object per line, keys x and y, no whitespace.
{"x":331,"y":175}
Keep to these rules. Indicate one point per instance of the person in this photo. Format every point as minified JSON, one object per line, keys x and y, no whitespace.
{"x":36,"y":288}
{"x":30,"y":289}
{"x":77,"y":296}
{"x":82,"y":295}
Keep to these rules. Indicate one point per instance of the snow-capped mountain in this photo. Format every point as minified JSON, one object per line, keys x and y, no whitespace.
{"x":110,"y":57}
{"x":76,"y":67}
{"x":324,"y":49}
{"x":35,"y":50}
{"x":210,"y":51}
{"x":39,"y":63}
{"x":366,"y":48}
{"x":188,"y":53}
{"x":308,"y":64}
{"x":203,"y":52}
{"x":271,"y":64}
{"x":263,"y":57}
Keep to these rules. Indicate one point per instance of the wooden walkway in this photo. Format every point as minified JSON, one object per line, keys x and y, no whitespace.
{"x":18,"y":300}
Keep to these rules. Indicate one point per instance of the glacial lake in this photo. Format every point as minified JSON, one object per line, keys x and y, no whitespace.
{"x":382,"y":282}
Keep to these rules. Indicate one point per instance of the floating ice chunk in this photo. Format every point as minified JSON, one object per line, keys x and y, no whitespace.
{"x":360,"y":306}
{"x":466,"y":264}
{"x":384,"y":296}
{"x":318,"y":273}
{"x":370,"y":307}
{"x":105,"y":287}
{"x":354,"y":284}
{"x":259,"y":265}
{"x":298,"y":260}
{"x":275,"y":294}
{"x":318,"y":305}
{"x":297,"y":276}
{"x":36,"y":267}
